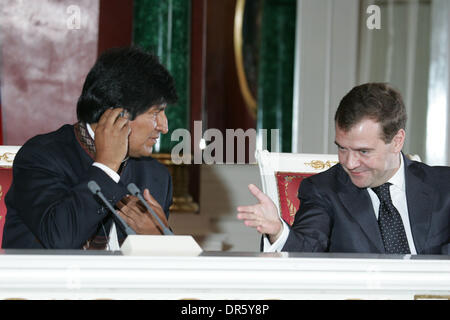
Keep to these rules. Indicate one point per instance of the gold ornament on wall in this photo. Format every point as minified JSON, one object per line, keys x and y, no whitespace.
{"x":247,"y":20}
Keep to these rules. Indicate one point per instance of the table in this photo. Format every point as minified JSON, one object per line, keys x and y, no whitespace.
{"x":77,"y":274}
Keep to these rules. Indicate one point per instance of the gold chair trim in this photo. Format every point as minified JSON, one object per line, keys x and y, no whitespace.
{"x":8,"y":157}
{"x":320,"y":165}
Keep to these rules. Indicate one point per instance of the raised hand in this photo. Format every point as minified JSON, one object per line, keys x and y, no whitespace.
{"x":263,"y":216}
{"x":111,"y":138}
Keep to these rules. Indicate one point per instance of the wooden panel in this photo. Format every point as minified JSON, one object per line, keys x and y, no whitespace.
{"x":197,"y":81}
{"x":225,"y":105}
{"x":115,"y":25}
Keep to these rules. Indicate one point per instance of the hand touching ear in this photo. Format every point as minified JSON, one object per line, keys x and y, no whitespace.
{"x":111,"y":138}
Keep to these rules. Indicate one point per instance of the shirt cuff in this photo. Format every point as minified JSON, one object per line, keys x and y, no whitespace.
{"x":111,"y":173}
{"x":279,"y":244}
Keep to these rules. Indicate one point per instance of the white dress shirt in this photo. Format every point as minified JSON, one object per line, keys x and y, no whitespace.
{"x":398,"y":196}
{"x":113,"y":241}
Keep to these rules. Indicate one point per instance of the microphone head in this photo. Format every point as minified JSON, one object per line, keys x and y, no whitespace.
{"x":133,"y":189}
{"x":93,"y":186}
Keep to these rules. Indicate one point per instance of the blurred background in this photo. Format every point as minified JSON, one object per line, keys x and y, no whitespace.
{"x":237,"y":64}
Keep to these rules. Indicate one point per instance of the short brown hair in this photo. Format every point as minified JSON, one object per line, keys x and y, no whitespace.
{"x":376,"y":101}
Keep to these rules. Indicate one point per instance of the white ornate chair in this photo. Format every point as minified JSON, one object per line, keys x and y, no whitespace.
{"x":281,"y":174}
{"x":7,"y":155}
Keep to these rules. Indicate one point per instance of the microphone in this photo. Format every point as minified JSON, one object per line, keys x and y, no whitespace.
{"x":136,"y":192}
{"x":95,"y":189}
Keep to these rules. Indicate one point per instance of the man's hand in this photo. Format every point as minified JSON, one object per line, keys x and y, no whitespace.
{"x":263,"y":216}
{"x":111,"y":138}
{"x":137,"y":217}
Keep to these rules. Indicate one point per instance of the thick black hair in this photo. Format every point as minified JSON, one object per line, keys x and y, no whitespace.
{"x":128,"y":78}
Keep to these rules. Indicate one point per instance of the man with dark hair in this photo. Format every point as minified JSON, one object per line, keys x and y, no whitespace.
{"x":375,"y":200}
{"x":121,"y":113}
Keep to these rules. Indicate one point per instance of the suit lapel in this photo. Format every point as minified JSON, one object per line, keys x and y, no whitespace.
{"x":358,"y":204}
{"x":419,"y":197}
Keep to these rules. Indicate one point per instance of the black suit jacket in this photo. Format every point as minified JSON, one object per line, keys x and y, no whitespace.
{"x":337,"y":216}
{"x":49,"y":204}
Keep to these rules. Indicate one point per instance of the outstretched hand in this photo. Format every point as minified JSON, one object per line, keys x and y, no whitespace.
{"x":262,"y":216}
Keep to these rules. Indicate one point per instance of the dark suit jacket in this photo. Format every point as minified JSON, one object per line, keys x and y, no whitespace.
{"x":337,"y":216}
{"x":49,"y":204}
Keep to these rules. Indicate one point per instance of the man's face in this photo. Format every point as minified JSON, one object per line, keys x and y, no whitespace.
{"x":366,"y":158}
{"x":145,"y":131}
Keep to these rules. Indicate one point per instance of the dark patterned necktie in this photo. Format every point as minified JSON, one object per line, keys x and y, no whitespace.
{"x":391,"y":225}
{"x":98,"y":241}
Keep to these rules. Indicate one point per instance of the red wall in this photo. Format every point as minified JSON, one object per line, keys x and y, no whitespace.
{"x":44,"y":61}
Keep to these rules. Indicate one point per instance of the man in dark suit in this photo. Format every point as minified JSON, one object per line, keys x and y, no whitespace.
{"x":121,"y":113}
{"x":375,"y":200}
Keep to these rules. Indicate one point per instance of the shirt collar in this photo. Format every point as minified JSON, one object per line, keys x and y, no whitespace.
{"x":91,"y":132}
{"x":398,"y":179}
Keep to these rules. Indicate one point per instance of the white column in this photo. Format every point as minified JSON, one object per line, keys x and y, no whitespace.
{"x":325,"y":69}
{"x":437,"y":132}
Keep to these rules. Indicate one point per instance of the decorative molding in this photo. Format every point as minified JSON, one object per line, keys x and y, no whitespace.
{"x":320,"y":165}
{"x":431,"y":297}
{"x":53,"y":274}
{"x":250,"y":101}
{"x":8,"y":157}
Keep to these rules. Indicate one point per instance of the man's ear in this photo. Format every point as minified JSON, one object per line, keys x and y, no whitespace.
{"x":398,"y":140}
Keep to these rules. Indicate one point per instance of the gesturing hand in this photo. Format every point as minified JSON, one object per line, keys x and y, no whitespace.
{"x":111,"y":138}
{"x":263,"y":216}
